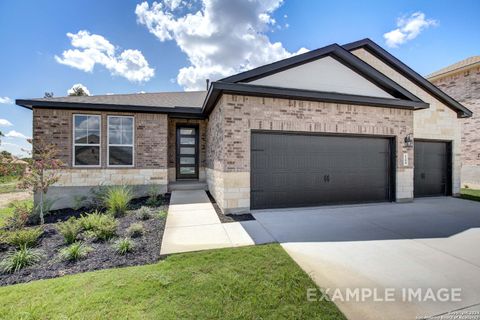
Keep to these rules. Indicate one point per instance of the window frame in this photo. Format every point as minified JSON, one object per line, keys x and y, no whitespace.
{"x":99,"y":145}
{"x":120,"y":145}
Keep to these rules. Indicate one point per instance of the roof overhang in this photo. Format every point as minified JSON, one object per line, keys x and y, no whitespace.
{"x":403,"y":69}
{"x":220,"y":87}
{"x":183,"y":112}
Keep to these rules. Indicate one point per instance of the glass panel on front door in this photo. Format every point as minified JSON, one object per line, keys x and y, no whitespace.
{"x":187,"y":152}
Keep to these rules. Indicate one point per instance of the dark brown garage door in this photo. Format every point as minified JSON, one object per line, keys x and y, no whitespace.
{"x":294,"y":170}
{"x":432,"y":169}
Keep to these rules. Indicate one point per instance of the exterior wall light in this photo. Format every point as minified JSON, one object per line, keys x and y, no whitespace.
{"x":409,"y":140}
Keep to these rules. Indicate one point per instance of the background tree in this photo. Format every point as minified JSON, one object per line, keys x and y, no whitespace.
{"x":42,"y":172}
{"x":78,"y":90}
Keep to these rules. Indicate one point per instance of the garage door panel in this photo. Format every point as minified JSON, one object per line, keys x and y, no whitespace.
{"x":431,"y":172}
{"x":306,"y":170}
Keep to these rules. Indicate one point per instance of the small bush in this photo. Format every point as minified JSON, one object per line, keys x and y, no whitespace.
{"x":70,"y":230}
{"x":19,"y":259}
{"x":24,"y":237}
{"x":75,"y":252}
{"x":162,"y":214}
{"x":99,"y":226}
{"x":154,"y":197}
{"x":117,"y":200}
{"x":143,"y":213}
{"x":123,"y":246}
{"x":22,"y":213}
{"x":136,"y":230}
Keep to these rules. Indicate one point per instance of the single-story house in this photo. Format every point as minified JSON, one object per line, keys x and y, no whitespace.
{"x":340,"y":124}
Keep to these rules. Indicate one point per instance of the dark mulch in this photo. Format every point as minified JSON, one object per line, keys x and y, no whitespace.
{"x":103,"y":256}
{"x":226,"y":218}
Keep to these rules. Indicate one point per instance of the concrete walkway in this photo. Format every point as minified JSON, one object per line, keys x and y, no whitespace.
{"x":193,"y":225}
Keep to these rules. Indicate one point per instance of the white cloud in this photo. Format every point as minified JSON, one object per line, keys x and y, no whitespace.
{"x":5,"y":123}
{"x":16,"y":134}
{"x":6,"y":100}
{"x":219,"y":37}
{"x":92,"y":49}
{"x":16,"y":149}
{"x":408,"y":28}
{"x":78,"y":85}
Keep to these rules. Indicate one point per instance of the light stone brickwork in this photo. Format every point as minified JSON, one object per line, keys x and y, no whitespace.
{"x":234,"y":117}
{"x":464,"y":86}
{"x":438,"y":122}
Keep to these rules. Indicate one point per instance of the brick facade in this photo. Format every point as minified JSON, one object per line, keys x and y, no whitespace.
{"x":150,"y":159}
{"x":56,"y":126}
{"x":231,"y":122}
{"x":438,"y":122}
{"x":464,"y":86}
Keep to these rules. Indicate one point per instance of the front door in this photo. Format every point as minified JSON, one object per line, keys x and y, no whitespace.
{"x":187,"y":152}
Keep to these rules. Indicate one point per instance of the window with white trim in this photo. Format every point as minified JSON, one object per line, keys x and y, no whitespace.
{"x":86,"y":140}
{"x":120,"y":140}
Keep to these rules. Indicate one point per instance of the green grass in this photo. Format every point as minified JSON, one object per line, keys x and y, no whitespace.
{"x":260,"y":282}
{"x":470,"y":194}
{"x":9,"y":185}
{"x":8,"y":211}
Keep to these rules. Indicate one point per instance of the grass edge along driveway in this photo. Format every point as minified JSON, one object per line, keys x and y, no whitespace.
{"x":256,"y":282}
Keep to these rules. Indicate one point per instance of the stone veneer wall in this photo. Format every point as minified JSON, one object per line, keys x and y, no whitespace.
{"x":438,"y":122}
{"x":231,"y":122}
{"x":150,"y":159}
{"x":172,"y":139}
{"x":464,"y":86}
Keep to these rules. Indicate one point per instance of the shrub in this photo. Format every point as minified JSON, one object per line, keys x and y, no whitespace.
{"x":19,"y":259}
{"x":70,"y":230}
{"x":162,"y":214}
{"x":24,"y":237}
{"x":75,"y":252}
{"x":123,"y":246}
{"x":99,"y":226}
{"x":21,"y":214}
{"x":143,"y":213}
{"x":136,"y":230}
{"x":117,"y":199}
{"x":154,"y":197}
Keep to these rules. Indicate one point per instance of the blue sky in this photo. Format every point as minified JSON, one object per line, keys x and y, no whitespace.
{"x":127,"y":46}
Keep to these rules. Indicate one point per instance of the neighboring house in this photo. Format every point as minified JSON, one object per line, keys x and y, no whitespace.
{"x":333,"y":125}
{"x":462,"y":81}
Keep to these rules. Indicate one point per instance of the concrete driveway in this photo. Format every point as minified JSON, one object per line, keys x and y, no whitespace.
{"x":431,"y":246}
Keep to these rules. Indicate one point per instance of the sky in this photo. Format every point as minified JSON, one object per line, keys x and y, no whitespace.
{"x":127,"y":46}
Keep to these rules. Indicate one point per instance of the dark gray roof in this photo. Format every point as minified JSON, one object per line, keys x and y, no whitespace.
{"x":189,"y":99}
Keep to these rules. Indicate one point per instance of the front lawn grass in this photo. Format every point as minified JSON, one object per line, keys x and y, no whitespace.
{"x":260,"y":282}
{"x":9,"y":186}
{"x":471,"y":194}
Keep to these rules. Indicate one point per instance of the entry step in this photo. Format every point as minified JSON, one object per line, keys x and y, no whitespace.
{"x":187,"y":185}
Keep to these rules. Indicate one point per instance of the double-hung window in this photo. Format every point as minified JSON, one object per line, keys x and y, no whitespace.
{"x":86,"y":140}
{"x":120,"y":140}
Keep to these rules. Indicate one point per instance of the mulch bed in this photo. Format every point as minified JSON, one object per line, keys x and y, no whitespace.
{"x":103,"y":256}
{"x":226,"y":218}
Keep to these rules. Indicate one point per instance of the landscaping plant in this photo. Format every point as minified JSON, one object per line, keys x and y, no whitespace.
{"x":154,"y":197}
{"x":42,"y":172}
{"x":22,"y":212}
{"x":99,"y":226}
{"x":162,"y":214}
{"x":70,"y":230}
{"x":19,"y":259}
{"x":24,"y":237}
{"x":117,"y":200}
{"x":135,"y":230}
{"x":75,"y":252}
{"x":123,"y":246}
{"x":143,"y":213}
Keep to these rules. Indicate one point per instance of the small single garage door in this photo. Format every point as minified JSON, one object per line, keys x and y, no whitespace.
{"x":432,"y":169}
{"x":294,"y":170}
